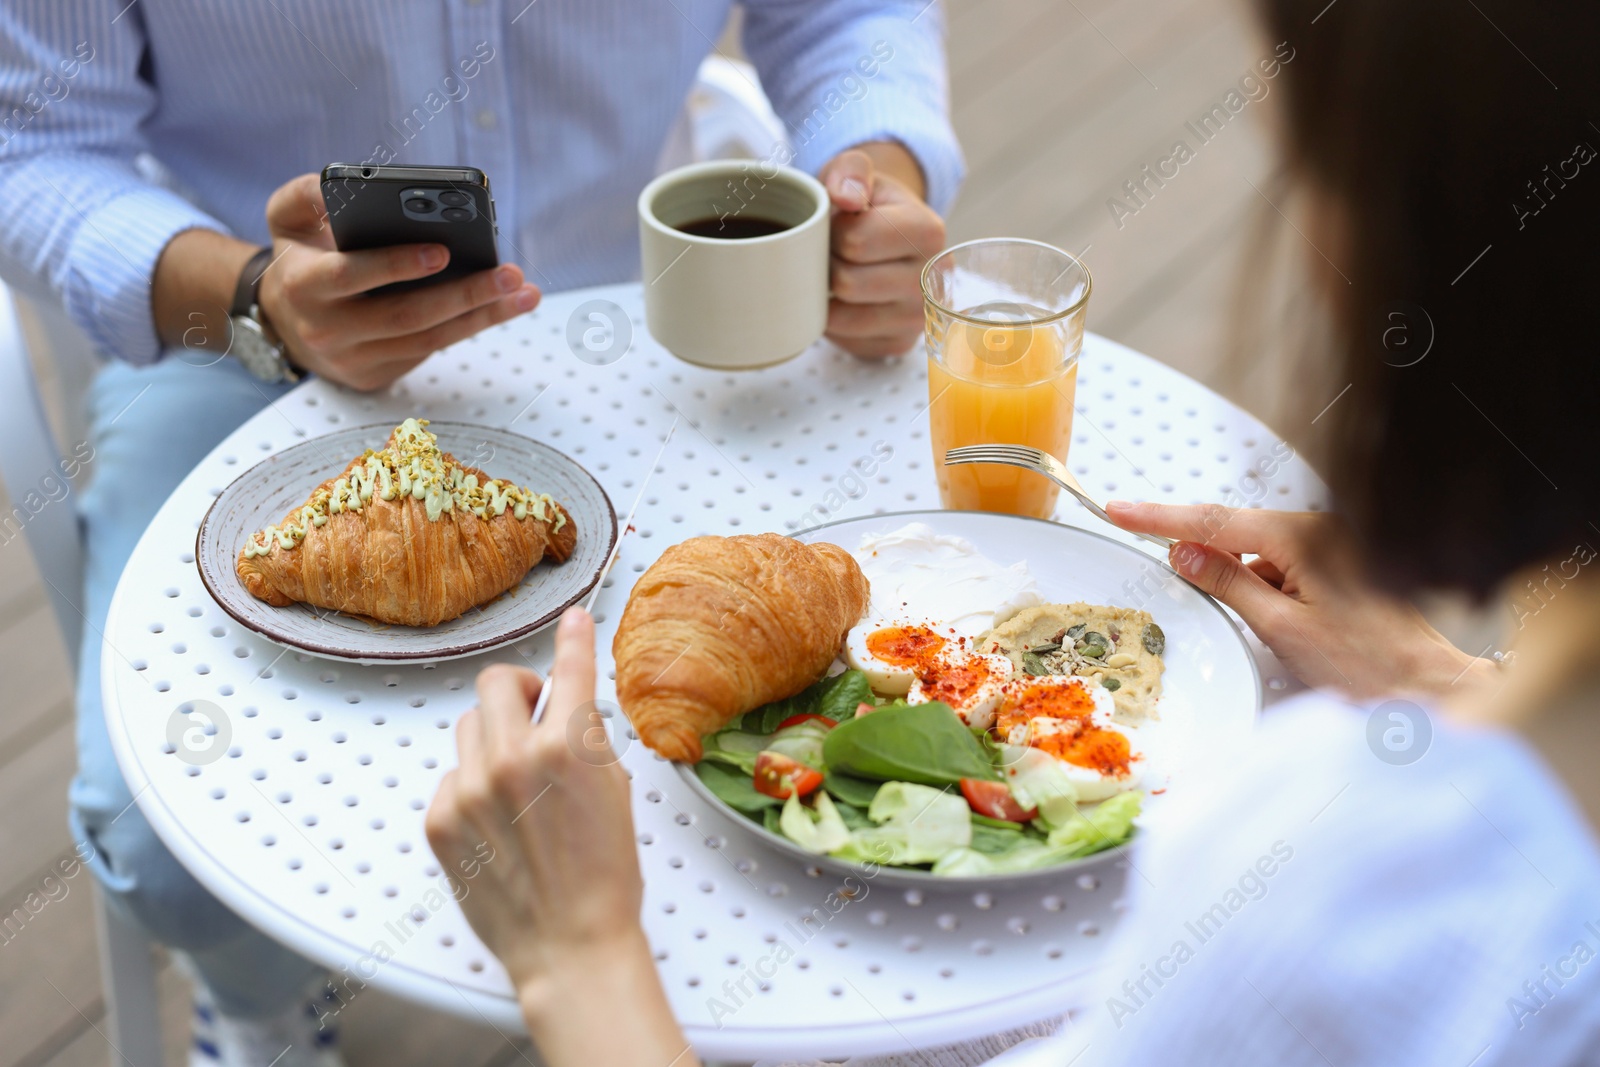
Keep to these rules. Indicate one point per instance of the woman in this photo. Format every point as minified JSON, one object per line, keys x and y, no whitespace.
{"x":1397,"y":881}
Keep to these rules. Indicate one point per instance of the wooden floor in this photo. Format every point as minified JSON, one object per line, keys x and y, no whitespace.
{"x":1058,"y":103}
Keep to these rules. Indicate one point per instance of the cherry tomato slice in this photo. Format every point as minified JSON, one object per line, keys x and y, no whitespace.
{"x":778,"y":776}
{"x":993,"y":799}
{"x":864,"y":708}
{"x":796,"y":720}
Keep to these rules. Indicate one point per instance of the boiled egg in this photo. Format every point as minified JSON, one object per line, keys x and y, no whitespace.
{"x":971,"y":683}
{"x":929,"y":588}
{"x":890,"y":656}
{"x":1067,"y":719}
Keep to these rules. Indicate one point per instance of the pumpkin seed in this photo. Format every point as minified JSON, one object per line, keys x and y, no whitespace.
{"x":1112,"y":684}
{"x":1155,"y":641}
{"x":1093,"y":645}
{"x":1033,"y":664}
{"x":1077,"y":631}
{"x":1048,"y":646}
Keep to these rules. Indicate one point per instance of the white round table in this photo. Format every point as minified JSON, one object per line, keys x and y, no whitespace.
{"x":303,"y":812}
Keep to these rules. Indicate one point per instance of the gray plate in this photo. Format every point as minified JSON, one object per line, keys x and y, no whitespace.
{"x":264,"y":494}
{"x":1211,"y":689}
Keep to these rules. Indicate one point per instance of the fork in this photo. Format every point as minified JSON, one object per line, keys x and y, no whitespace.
{"x":1044,"y":463}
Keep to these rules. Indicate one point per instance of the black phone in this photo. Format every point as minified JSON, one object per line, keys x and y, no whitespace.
{"x":375,"y":207}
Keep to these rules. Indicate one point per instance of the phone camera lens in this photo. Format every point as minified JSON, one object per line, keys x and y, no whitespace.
{"x":454,"y":198}
{"x":419,"y":205}
{"x":456,"y":214}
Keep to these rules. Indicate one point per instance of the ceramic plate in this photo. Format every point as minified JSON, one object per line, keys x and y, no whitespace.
{"x":1211,"y":690}
{"x":264,"y":494}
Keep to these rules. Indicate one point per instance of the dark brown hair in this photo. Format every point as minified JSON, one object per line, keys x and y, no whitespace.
{"x":1452,"y":140}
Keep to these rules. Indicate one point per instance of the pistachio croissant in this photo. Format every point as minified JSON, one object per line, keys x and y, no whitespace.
{"x":405,"y":535}
{"x":721,"y":625}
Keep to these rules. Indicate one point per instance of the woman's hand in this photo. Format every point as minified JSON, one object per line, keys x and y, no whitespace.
{"x":1306,"y":597}
{"x":314,"y":296}
{"x":540,"y":829}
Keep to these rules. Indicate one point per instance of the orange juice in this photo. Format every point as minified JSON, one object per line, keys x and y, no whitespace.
{"x":1001,"y":383}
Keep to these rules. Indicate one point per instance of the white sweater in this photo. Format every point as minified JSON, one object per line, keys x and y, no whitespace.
{"x":1324,"y":906}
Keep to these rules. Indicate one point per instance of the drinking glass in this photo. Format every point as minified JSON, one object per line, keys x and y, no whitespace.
{"x":1004,"y":323}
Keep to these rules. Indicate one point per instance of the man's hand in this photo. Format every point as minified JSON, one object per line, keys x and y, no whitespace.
{"x":312,"y":295}
{"x":883,"y":235}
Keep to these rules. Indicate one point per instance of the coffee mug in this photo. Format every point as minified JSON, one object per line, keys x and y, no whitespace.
{"x":735,"y":262}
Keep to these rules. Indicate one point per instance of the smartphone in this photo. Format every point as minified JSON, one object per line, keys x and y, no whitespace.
{"x":375,"y":207}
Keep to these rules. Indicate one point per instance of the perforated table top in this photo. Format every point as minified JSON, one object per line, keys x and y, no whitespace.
{"x":301,"y":805}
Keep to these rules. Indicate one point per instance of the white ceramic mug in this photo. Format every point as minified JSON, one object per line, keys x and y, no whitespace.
{"x":735,"y":304}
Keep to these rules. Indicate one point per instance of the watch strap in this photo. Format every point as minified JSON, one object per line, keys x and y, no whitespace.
{"x":245,"y":293}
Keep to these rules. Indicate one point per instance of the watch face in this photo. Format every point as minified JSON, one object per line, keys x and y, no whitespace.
{"x":251,"y":348}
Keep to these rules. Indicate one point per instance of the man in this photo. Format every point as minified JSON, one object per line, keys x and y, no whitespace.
{"x":157,"y":176}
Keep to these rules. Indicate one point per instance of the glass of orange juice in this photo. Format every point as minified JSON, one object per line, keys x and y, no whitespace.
{"x":1004,"y":321}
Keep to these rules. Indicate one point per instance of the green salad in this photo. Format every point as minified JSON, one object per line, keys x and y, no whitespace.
{"x":903,"y":785}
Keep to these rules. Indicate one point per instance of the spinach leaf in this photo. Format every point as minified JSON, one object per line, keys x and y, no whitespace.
{"x":733,"y":788}
{"x":997,"y":824}
{"x":857,"y":792}
{"x":993,"y":842}
{"x":855,"y":818}
{"x":834,"y":697}
{"x":839,"y":696}
{"x":769,"y":819}
{"x":731,"y":747}
{"x":991,"y":748}
{"x":926,"y":744}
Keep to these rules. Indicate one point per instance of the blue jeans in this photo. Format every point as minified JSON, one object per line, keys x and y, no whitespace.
{"x":149,"y":427}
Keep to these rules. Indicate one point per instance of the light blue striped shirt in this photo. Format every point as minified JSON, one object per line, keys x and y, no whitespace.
{"x":124,"y":123}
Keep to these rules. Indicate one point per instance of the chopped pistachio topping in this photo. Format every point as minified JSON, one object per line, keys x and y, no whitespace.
{"x":411,"y":464}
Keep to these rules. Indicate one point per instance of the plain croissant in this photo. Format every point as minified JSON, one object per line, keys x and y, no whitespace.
{"x":405,"y":535}
{"x":720,"y":625}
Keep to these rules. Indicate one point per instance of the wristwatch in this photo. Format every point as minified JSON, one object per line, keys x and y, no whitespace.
{"x":255,"y":345}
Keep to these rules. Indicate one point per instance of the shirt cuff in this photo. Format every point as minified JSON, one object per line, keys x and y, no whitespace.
{"x":113,"y":262}
{"x":887,"y":114}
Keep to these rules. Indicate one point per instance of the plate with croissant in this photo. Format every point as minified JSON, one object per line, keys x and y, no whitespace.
{"x":948,"y":698}
{"x":377,"y":544}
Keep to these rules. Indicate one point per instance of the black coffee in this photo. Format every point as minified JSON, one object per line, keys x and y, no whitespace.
{"x":733,"y":227}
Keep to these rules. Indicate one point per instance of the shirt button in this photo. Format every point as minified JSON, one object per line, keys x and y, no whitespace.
{"x":485,"y":119}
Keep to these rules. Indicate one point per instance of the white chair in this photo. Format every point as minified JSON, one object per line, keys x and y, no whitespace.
{"x":725,"y":116}
{"x":28,"y":451}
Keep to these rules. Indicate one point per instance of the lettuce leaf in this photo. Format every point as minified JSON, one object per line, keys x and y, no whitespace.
{"x":820,"y":830}
{"x":1038,"y":780}
{"x":1027,"y":854}
{"x":916,"y":824}
{"x":1106,"y":825}
{"x":801,"y":742}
